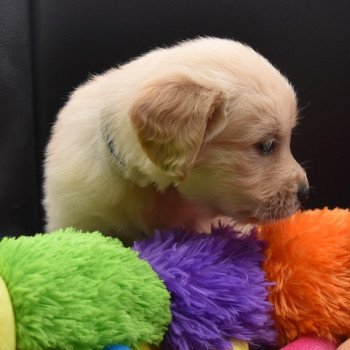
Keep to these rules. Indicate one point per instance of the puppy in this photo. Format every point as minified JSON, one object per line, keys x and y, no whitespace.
{"x":178,"y":136}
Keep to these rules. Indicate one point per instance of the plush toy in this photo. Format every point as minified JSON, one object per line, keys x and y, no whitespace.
{"x":184,"y":291}
{"x":217,"y":287}
{"x":71,"y":290}
{"x":68,"y":290}
{"x":310,"y":343}
{"x":308,"y":259}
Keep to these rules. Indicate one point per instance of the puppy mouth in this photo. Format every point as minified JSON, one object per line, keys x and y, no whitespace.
{"x":265,"y":214}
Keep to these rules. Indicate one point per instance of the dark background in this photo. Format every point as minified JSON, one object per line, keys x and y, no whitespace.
{"x":47,"y":47}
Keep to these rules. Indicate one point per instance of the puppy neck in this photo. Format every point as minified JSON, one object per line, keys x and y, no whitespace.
{"x":116,"y":154}
{"x":127,"y":156}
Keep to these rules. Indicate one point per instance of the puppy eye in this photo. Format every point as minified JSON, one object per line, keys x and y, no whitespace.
{"x":267,"y":147}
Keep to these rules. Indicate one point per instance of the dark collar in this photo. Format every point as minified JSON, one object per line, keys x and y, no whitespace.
{"x":116,"y":154}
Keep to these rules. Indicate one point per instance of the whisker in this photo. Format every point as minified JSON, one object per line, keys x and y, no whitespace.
{"x":257,"y":210}
{"x":306,"y":165}
{"x":305,"y":162}
{"x":262,"y":218}
{"x":304,"y":107}
{"x":313,"y":189}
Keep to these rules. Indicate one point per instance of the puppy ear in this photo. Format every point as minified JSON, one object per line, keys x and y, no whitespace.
{"x":172,"y":118}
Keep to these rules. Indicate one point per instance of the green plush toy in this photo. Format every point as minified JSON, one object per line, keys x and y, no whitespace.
{"x":42,"y":308}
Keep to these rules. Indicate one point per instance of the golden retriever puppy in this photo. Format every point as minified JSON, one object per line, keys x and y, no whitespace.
{"x":178,"y":136}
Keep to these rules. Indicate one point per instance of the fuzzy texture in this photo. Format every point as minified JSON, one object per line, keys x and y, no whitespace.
{"x":75,"y":291}
{"x":308,"y":257}
{"x":310,"y":343}
{"x":217,"y":286}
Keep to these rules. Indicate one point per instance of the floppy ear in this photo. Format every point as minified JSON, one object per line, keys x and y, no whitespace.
{"x":172,"y":118}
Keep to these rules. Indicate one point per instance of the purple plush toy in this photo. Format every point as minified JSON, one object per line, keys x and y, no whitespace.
{"x":218,"y":289}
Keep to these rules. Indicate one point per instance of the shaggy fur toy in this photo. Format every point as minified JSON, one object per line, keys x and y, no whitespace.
{"x":73,"y":291}
{"x":218,"y":289}
{"x":67,"y":290}
{"x":310,"y":343}
{"x":308,"y":257}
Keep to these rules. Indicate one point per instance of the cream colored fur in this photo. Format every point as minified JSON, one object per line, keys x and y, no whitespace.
{"x":184,"y":124}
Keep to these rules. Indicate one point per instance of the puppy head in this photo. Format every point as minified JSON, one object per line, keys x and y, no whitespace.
{"x":230,"y":152}
{"x":247,"y":171}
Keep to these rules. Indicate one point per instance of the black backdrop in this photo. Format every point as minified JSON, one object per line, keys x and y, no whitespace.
{"x":50,"y":46}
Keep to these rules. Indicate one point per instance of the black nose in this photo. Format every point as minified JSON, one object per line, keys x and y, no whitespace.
{"x":303,"y":193}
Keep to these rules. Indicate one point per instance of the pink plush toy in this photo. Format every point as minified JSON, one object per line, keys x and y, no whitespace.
{"x":310,"y":343}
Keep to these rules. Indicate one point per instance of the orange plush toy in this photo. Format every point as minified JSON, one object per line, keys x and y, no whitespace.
{"x":308,"y":260}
